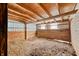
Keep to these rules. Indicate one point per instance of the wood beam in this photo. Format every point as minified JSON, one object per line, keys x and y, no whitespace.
{"x":70,"y":30}
{"x":20,"y":14}
{"x":25,"y":32}
{"x":59,"y":11}
{"x":31,"y":11}
{"x":29,"y":7}
{"x":23,"y":10}
{"x":65,"y":14}
{"x":3,"y":29}
{"x":17,"y":18}
{"x":75,"y":6}
{"x":20,"y":18}
{"x":73,"y":9}
{"x":59,"y":8}
{"x":52,"y":22}
{"x":41,"y":5}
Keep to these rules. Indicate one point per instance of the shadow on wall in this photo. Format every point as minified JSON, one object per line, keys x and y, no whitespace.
{"x":75,"y":33}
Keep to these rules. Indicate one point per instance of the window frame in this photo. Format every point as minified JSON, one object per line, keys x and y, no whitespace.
{"x":16,"y":26}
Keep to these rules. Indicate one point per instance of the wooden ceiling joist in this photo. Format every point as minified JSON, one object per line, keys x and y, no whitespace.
{"x":20,"y":14}
{"x":15,"y":19}
{"x":29,"y":7}
{"x":37,"y":12}
{"x":74,"y":7}
{"x":65,"y":7}
{"x":51,"y":22}
{"x":19,"y":17}
{"x":65,"y":14}
{"x":23,"y":10}
{"x":47,"y":11}
{"x":59,"y":11}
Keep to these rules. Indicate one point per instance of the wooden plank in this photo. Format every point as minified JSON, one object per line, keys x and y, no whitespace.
{"x":21,"y":14}
{"x":50,"y":18}
{"x":60,"y":11}
{"x":70,"y":30}
{"x":25,"y":31}
{"x":3,"y":29}
{"x":22,"y":10}
{"x":45,"y":9}
{"x":33,"y":7}
{"x":18,"y":17}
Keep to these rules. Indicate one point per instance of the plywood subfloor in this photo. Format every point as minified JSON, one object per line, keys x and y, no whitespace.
{"x":39,"y":47}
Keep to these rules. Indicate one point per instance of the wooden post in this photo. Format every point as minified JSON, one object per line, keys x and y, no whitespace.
{"x":25,"y":32}
{"x":37,"y":29}
{"x":3,"y":29}
{"x":47,"y":26}
{"x":70,"y":30}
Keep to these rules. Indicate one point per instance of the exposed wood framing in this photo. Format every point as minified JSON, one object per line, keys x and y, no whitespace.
{"x":25,"y":31}
{"x":26,"y":7}
{"x":70,"y":29}
{"x":65,"y":14}
{"x":59,"y":10}
{"x":75,"y":6}
{"x":21,"y":15}
{"x":23,"y":10}
{"x":3,"y":29}
{"x":35,"y":15}
{"x":15,"y":17}
{"x":73,"y":9}
{"x":47,"y":11}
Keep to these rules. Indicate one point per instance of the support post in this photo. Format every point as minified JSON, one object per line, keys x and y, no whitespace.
{"x":37,"y":26}
{"x":25,"y":32}
{"x":3,"y":29}
{"x":70,"y":30}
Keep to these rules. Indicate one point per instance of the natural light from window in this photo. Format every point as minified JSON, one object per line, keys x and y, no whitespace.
{"x":43,"y":26}
{"x":15,"y":26}
{"x":53,"y":26}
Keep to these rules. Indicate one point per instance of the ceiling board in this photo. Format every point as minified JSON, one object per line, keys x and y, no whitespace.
{"x":52,"y":8}
{"x":20,"y":9}
{"x":20,"y":14}
{"x":66,"y":7}
{"x":36,"y":8}
{"x":19,"y":17}
{"x":36,"y":12}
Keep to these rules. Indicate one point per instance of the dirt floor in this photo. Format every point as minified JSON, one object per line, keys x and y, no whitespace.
{"x":39,"y":47}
